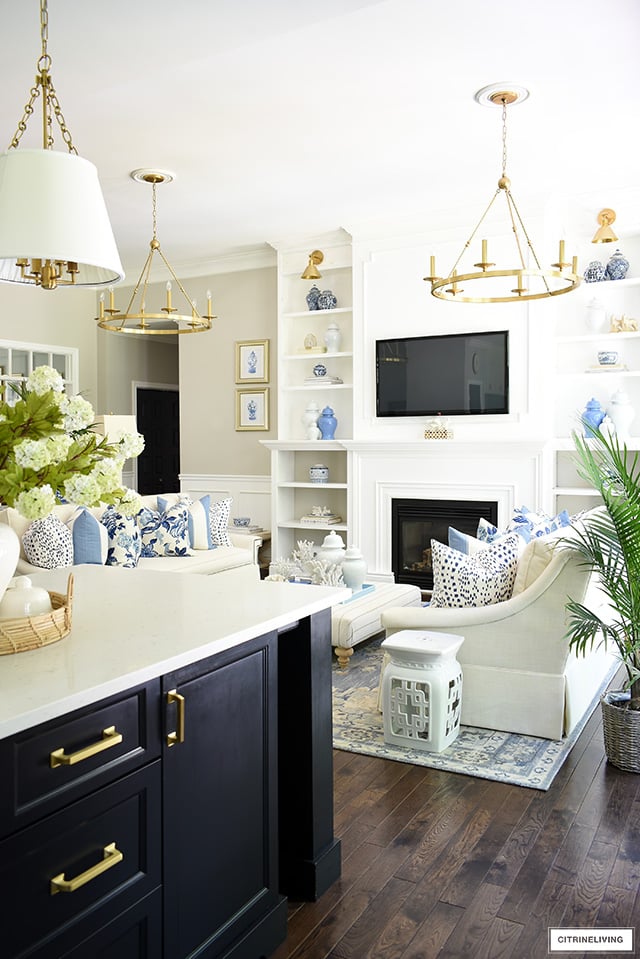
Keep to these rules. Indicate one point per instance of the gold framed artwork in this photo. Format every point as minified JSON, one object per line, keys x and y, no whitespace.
{"x":252,"y":361}
{"x":252,"y":409}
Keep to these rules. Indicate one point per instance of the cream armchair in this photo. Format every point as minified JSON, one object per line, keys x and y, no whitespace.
{"x":519,"y":674}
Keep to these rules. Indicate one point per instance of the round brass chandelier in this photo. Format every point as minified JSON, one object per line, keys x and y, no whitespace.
{"x":136,"y":319}
{"x":527,"y":280}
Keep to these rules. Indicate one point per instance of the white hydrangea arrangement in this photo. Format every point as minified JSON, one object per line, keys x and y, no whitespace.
{"x":49,"y":451}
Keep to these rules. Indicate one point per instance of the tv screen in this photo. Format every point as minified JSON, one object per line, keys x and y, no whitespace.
{"x":454,"y":374}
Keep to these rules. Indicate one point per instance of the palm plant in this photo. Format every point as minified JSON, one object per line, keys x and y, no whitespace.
{"x":608,"y":540}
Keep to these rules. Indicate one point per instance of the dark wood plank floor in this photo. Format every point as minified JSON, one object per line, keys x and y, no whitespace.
{"x":437,"y":864}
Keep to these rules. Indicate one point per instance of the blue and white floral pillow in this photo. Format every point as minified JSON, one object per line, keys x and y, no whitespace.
{"x":479,"y":580}
{"x":164,"y":533}
{"x":527,"y":523}
{"x":199,"y":528}
{"x":124,"y":538}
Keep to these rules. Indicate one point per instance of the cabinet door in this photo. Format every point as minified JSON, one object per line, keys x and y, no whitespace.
{"x":220,"y":806}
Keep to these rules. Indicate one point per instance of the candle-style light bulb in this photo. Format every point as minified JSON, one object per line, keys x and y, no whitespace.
{"x":112,"y":305}
{"x":208,"y":302}
{"x":102,"y":306}
{"x":168,"y":295}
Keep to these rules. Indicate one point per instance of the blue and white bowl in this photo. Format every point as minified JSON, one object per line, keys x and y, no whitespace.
{"x":607,"y":357}
{"x":241,"y":521}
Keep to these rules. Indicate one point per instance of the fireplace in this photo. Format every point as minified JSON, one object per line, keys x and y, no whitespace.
{"x":415,"y":522}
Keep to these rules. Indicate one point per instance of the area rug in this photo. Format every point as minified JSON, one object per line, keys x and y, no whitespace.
{"x":484,"y":753}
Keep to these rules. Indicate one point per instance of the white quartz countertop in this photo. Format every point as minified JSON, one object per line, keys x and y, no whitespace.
{"x":132,"y":626}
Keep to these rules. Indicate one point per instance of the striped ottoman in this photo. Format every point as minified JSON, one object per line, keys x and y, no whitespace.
{"x":358,"y":619}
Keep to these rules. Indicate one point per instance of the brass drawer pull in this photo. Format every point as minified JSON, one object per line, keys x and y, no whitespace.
{"x":110,"y":857}
{"x":178,"y":737}
{"x":109,"y":738}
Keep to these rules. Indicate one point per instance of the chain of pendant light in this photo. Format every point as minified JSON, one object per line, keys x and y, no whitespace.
{"x":43,"y":80}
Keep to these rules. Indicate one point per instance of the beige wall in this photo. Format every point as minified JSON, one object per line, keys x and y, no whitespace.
{"x":124,"y":359}
{"x":60,"y":317}
{"x":202,"y":364}
{"x":245,"y":304}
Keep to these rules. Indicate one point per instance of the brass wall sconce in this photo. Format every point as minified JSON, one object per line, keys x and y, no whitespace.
{"x":604,"y":233}
{"x":311,"y":272}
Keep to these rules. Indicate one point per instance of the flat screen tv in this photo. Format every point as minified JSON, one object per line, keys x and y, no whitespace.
{"x":454,"y":374}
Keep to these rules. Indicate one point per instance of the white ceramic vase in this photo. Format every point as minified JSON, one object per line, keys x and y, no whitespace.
{"x":332,"y":549}
{"x":354,"y":568}
{"x":333,"y":338}
{"x":621,"y":413}
{"x":9,"y":553}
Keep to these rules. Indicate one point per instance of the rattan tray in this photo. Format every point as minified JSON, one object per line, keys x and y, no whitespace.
{"x":32,"y":632}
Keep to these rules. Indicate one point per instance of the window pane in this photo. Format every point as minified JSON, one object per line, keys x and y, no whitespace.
{"x":19,"y":363}
{"x":4,"y":360}
{"x":40,"y":359}
{"x":59,"y":363}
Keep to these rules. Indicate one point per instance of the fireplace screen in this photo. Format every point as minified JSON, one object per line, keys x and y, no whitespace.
{"x":415,"y":522}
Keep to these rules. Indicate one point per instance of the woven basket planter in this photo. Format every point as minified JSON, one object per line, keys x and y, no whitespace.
{"x":621,"y":735}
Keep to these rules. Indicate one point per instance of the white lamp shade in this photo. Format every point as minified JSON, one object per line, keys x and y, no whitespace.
{"x":52,"y":208}
{"x":114,"y":425}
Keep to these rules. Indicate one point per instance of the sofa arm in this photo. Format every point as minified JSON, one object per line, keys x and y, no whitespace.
{"x":247,"y":541}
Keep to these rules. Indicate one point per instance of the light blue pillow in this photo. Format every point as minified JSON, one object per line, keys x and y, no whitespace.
{"x":165,"y":533}
{"x":464,"y":543}
{"x":90,"y":538}
{"x":124,"y":538}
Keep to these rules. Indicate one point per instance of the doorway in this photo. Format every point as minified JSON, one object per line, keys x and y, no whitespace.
{"x":157,"y":410}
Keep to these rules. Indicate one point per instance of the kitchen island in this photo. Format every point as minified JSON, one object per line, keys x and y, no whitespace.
{"x":167,"y":769}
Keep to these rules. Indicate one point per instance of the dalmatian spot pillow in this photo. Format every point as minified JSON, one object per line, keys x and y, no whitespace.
{"x":219,"y":521}
{"x":483,"y":579}
{"x":48,"y":543}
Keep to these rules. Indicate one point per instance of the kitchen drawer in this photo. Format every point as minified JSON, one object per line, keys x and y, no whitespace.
{"x":135,"y":933}
{"x":55,"y":763}
{"x":118,"y":828}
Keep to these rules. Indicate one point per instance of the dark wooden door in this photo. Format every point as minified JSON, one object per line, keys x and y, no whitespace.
{"x":158,"y":418}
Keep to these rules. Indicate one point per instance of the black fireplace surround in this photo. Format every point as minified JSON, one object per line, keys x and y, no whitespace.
{"x":415,"y":522}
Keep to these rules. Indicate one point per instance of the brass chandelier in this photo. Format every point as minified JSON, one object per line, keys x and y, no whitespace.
{"x":54,"y":227}
{"x":521,"y":282}
{"x":136,"y":319}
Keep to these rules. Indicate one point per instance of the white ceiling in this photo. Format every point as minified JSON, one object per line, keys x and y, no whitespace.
{"x":283,"y":119}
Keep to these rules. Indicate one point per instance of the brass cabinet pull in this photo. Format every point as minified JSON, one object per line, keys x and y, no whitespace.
{"x":109,"y":738}
{"x":110,"y":857}
{"x":178,"y":736}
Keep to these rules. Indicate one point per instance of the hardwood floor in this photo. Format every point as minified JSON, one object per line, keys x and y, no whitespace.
{"x":437,"y":864}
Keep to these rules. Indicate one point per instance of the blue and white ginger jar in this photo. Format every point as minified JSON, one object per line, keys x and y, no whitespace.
{"x":595,"y":272}
{"x":617,"y":266}
{"x":312,"y":298}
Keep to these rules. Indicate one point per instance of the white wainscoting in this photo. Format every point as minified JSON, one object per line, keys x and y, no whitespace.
{"x":251,"y":494}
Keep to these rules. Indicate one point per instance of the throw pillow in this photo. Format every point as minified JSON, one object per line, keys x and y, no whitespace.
{"x":199,"y":528}
{"x":48,"y":543}
{"x":479,"y":580}
{"x":90,"y":538}
{"x":219,"y":521}
{"x":124,"y":538}
{"x":166,"y":533}
{"x":464,"y":543}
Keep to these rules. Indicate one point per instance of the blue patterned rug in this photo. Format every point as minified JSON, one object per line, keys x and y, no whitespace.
{"x":485,"y":753}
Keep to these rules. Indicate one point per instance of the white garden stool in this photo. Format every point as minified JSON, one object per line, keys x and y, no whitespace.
{"x":422,"y":689}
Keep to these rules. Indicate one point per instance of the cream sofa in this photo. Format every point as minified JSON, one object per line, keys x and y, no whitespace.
{"x":237,"y":563}
{"x":519,"y":674}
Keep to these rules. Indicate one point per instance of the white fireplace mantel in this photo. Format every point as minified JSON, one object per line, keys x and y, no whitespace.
{"x":508,"y":472}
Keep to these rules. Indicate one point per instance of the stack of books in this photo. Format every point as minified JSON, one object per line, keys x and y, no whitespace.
{"x":321,"y":380}
{"x":327,"y":519}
